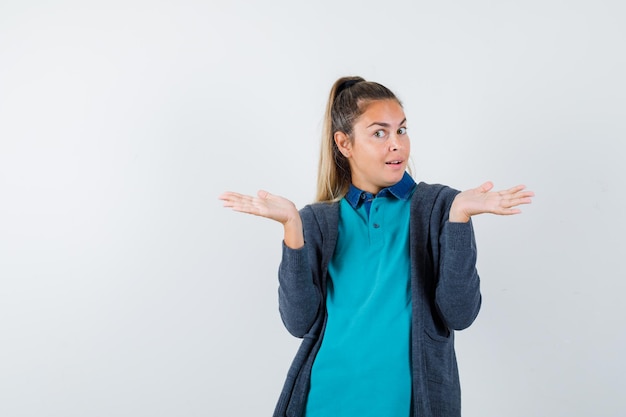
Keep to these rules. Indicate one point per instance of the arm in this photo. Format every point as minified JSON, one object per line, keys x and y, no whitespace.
{"x":299,"y":294}
{"x":458,"y":295}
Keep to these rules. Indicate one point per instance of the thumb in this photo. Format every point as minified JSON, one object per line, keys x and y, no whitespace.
{"x":263,"y":194}
{"x":486,"y":187}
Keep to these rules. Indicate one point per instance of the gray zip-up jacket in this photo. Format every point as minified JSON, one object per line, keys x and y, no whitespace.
{"x":445,"y":291}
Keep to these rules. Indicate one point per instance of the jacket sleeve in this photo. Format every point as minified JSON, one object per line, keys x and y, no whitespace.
{"x":299,"y":296}
{"x":458,"y":297}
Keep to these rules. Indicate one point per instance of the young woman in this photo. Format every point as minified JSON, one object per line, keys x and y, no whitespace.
{"x":378,"y":273}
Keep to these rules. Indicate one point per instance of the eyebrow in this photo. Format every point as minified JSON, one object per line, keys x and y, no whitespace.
{"x":383,"y":124}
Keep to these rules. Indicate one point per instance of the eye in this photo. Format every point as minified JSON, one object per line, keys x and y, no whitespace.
{"x":379,"y":133}
{"x":402,"y":131}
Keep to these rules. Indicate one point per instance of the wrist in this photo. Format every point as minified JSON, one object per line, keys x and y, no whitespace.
{"x":460,"y":219}
{"x":458,"y":216}
{"x":294,"y":234}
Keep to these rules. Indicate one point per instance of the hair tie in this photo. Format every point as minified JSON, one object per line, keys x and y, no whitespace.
{"x":347,"y":84}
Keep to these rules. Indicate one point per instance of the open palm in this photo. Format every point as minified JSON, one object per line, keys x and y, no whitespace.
{"x":264,"y":204}
{"x":482,"y":200}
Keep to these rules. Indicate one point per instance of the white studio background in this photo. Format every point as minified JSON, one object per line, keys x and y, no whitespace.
{"x":127,"y":290}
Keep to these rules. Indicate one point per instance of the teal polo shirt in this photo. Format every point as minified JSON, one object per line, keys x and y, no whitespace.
{"x":363,"y":365}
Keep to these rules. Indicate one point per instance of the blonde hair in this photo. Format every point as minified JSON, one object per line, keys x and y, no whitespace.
{"x":348,"y":99}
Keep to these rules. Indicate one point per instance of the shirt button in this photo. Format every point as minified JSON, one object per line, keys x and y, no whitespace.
{"x":376,"y":225}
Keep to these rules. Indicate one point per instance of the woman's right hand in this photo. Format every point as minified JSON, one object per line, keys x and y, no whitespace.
{"x":271,"y":207}
{"x":265,"y":205}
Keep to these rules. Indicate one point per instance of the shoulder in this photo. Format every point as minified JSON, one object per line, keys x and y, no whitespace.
{"x":320,"y":209}
{"x":321,"y":214}
{"x":320,"y":222}
{"x":434,"y":192}
{"x":431,"y":201}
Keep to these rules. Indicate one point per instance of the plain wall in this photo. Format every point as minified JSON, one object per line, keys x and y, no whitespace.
{"x":127,"y":290}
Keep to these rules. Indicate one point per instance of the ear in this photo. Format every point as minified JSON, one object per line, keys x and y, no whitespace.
{"x":343,"y":143}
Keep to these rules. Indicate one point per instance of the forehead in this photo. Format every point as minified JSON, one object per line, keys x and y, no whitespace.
{"x":381,"y":111}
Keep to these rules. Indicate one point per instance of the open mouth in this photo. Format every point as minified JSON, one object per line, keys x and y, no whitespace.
{"x":393,"y":162}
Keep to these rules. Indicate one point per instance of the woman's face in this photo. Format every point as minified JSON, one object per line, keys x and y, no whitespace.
{"x":379,"y":152}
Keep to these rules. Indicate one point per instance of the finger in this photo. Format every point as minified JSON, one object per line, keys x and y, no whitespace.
{"x":225,"y":195}
{"x":523,"y":200}
{"x":247,"y":210}
{"x":516,"y":192}
{"x":516,"y":189}
{"x":263,"y":194}
{"x":521,"y":197}
{"x":507,"y":211}
{"x":229,"y":195}
{"x":238,"y":202}
{"x":514,"y":202}
{"x":231,"y":200}
{"x":248,"y":205}
{"x":486,"y":186}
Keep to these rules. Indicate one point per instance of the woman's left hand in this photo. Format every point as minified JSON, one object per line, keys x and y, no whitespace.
{"x":482,"y":200}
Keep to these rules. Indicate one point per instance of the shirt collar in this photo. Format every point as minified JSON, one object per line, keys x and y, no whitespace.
{"x":402,"y":190}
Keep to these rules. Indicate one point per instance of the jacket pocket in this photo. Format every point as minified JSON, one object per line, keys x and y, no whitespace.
{"x":439,"y":357}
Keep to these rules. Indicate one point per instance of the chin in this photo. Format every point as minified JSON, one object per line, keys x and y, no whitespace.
{"x":397,"y":178}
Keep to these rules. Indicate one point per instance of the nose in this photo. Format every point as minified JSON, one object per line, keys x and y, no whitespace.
{"x":394,"y":142}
